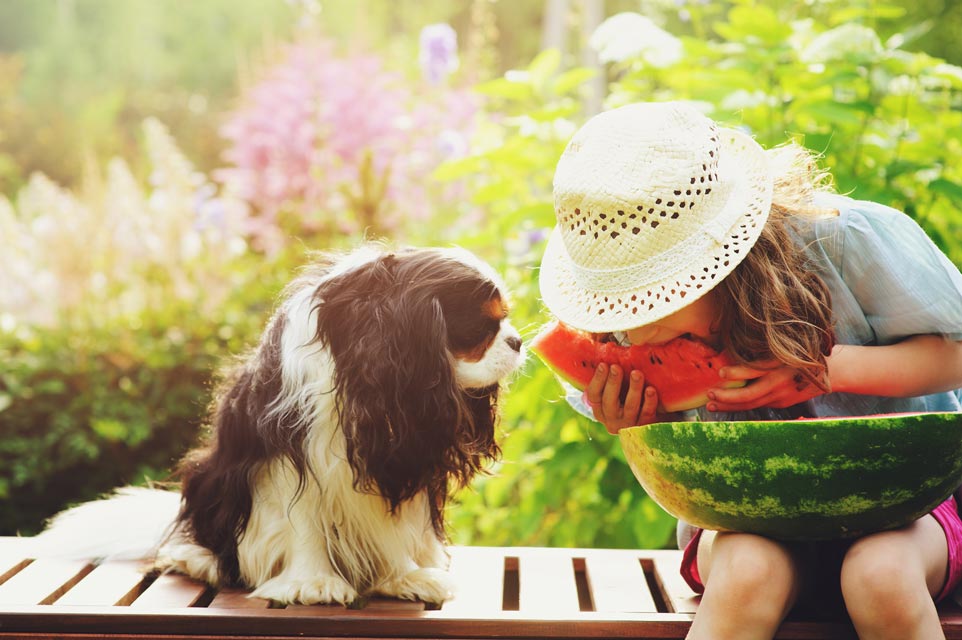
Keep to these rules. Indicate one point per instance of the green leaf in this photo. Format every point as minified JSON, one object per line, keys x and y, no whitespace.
{"x":859,"y":13}
{"x":847,"y":113}
{"x":505,"y":88}
{"x":571,"y":79}
{"x":947,"y":188}
{"x":544,"y":65}
{"x":109,"y":429}
{"x":616,"y":479}
{"x":756,"y":22}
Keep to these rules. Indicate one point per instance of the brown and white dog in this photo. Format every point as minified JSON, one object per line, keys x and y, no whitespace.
{"x":334,"y":446}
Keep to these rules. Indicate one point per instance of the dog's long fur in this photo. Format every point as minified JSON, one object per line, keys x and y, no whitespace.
{"x":334,"y":446}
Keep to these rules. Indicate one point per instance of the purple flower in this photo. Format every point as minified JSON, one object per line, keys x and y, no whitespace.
{"x":439,"y":52}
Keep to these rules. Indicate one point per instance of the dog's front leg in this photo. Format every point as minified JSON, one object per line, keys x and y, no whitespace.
{"x":305,"y":575}
{"x":424,"y":584}
{"x":425,"y":577}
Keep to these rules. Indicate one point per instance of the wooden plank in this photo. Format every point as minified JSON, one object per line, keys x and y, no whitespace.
{"x":374,"y":606}
{"x":320,"y":610}
{"x":546,"y":582}
{"x":12,"y":557}
{"x":617,"y":582}
{"x":230,"y":598}
{"x":346,"y":623}
{"x":380,"y":603}
{"x":678,"y":595}
{"x":42,"y":581}
{"x":108,"y":584}
{"x":478,"y":576}
{"x":170,"y":591}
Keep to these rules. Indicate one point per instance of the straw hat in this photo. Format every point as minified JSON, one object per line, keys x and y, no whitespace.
{"x":655,"y":205}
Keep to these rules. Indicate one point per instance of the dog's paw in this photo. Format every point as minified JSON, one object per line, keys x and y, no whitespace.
{"x":190,"y":559}
{"x":313,"y":590}
{"x":427,"y":585}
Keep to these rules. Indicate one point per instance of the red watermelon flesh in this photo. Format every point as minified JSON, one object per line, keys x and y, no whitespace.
{"x":681,"y":370}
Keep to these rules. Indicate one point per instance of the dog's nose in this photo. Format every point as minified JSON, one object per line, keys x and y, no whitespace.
{"x":514,"y":342}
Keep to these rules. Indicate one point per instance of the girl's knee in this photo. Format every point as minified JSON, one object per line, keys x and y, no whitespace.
{"x":751,"y":585}
{"x":882,"y":585}
{"x":752,"y":567}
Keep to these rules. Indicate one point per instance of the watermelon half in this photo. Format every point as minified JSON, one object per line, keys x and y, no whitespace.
{"x":808,"y":479}
{"x":682,"y":370}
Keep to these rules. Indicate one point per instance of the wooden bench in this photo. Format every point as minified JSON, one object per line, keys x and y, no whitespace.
{"x":503,"y":592}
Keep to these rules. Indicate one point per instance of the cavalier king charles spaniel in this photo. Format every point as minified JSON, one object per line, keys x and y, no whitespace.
{"x":335,"y":445}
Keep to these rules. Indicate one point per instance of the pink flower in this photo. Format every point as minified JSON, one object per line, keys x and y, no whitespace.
{"x":320,"y":134}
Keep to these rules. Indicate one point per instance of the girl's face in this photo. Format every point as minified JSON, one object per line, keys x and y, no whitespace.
{"x":696,"y":319}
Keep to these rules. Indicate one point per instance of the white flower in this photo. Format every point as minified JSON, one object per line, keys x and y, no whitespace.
{"x":630,"y":35}
{"x":842,"y":42}
{"x":943,"y":76}
{"x":902,"y":85}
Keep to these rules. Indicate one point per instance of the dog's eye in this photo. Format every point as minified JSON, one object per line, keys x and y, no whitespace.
{"x":480,"y":335}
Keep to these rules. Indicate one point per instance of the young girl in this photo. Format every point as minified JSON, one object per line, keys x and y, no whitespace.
{"x":671,"y":225}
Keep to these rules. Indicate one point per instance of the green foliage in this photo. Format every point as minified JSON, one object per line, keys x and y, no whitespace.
{"x":888,"y":122}
{"x":86,"y":408}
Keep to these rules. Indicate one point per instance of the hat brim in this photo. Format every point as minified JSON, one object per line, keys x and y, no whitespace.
{"x":746,"y":164}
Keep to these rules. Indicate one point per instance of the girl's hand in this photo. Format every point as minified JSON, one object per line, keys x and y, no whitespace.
{"x":604,"y":395}
{"x":770,"y":385}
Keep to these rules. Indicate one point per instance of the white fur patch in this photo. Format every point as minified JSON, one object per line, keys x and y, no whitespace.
{"x":499,"y":361}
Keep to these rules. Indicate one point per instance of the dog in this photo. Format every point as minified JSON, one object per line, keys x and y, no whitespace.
{"x":334,"y":446}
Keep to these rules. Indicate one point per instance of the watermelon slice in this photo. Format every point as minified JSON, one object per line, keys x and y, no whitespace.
{"x":682,"y":370}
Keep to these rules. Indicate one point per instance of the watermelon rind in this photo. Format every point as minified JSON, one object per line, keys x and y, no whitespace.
{"x":815,"y":479}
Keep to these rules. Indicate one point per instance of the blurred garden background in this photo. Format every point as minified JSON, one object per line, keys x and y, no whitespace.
{"x":166,"y":166}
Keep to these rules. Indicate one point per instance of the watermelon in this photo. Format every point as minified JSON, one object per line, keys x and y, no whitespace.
{"x":806,"y":479}
{"x":682,"y":370}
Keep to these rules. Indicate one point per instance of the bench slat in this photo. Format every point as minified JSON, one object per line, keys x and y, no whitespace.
{"x":617,"y":583}
{"x":108,"y":584}
{"x":546,"y":583}
{"x":390,"y":604}
{"x":679,"y":596}
{"x":478,"y":573}
{"x":170,"y":591}
{"x":42,"y":581}
{"x":232,"y":598}
{"x":12,"y":557}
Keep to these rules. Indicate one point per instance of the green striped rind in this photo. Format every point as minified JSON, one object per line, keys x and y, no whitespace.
{"x":801,"y":479}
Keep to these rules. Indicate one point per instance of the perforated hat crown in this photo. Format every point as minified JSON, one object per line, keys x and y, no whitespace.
{"x":655,"y":205}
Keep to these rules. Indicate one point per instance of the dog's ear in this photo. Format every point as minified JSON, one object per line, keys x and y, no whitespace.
{"x":404,"y":416}
{"x":217,"y":478}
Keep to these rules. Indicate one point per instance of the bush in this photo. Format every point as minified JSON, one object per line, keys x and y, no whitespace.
{"x":87,"y":409}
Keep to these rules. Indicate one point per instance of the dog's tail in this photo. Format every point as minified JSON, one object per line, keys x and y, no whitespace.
{"x":128,"y":525}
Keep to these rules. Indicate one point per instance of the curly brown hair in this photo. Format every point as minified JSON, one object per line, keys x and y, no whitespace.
{"x":774,"y":305}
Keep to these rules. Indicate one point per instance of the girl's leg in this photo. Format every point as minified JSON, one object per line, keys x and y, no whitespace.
{"x":889,"y":579}
{"x":750,"y":584}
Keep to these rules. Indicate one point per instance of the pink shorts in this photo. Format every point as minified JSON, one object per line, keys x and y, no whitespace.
{"x":946,"y":514}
